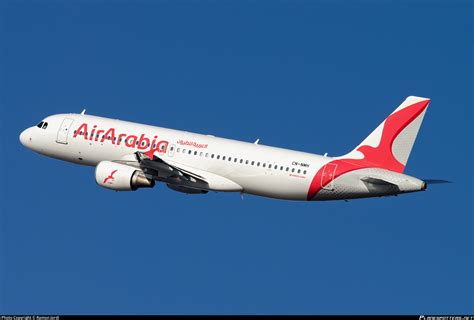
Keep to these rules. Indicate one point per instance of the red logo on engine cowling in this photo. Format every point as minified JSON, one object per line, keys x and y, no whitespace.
{"x":110,"y":177}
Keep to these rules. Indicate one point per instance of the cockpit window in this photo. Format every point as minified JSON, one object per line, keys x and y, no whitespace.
{"x":39,"y":125}
{"x":45,"y":125}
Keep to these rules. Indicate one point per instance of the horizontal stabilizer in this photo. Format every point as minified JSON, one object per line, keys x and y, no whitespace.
{"x":376,"y":181}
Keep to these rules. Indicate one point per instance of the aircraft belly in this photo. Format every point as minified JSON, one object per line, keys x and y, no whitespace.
{"x":274,"y":186}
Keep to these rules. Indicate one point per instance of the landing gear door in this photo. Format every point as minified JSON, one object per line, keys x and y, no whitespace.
{"x":327,"y":178}
{"x":63,"y":131}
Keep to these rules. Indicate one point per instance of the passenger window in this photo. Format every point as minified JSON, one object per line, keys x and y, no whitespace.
{"x":281,"y":168}
{"x":299,"y":170}
{"x":172,"y":148}
{"x":241,"y":160}
{"x":258,"y":164}
{"x":235,"y":160}
{"x":189,"y":152}
{"x":287,"y":169}
{"x":212,"y":156}
{"x":246,"y":162}
{"x":207,"y":154}
{"x":253,"y":162}
{"x":218,"y":157}
{"x":184,"y":150}
{"x":304,"y":172}
{"x":223,"y":158}
{"x":177,"y":150}
{"x":200,"y":154}
{"x":264,"y":165}
{"x":230,"y":159}
{"x":293,"y":170}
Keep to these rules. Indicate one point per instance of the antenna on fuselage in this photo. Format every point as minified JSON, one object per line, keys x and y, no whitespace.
{"x":83,"y":112}
{"x":256,"y":141}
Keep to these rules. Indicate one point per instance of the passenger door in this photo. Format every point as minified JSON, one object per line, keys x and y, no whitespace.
{"x":329,"y":172}
{"x":64,"y":131}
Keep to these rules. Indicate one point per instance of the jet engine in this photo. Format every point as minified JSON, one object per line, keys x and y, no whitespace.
{"x":121,"y":177}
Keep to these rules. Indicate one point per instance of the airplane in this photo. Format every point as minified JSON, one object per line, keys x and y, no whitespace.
{"x":128,"y":156}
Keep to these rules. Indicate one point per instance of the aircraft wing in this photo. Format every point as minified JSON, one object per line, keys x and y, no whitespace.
{"x":184,"y":178}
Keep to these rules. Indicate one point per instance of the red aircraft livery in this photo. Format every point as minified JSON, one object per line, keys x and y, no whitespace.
{"x":129,"y":140}
{"x":128,"y":156}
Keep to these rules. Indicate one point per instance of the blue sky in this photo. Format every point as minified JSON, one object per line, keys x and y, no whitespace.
{"x":316,"y":76}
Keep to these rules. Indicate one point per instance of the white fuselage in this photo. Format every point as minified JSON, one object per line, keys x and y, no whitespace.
{"x":226,"y":165}
{"x":258,"y":169}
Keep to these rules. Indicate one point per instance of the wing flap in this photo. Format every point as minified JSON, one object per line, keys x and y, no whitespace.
{"x":216,"y":182}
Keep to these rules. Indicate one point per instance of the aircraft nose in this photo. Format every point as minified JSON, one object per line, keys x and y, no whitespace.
{"x":25,"y":137}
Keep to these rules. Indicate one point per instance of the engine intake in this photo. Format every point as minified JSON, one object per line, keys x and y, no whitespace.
{"x":121,"y":177}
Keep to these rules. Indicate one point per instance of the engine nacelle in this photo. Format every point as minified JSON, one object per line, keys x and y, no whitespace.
{"x":120,"y":177}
